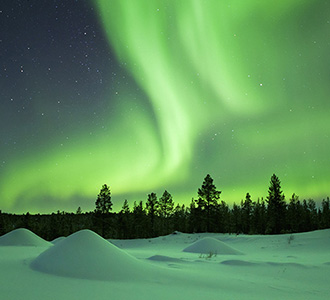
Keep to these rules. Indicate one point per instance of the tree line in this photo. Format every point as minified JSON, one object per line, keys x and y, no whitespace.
{"x":161,"y":216}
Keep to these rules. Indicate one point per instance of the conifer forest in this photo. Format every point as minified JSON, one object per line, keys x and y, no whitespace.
{"x":161,"y":215}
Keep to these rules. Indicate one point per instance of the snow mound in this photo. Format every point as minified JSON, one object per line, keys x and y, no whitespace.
{"x":86,"y":255}
{"x":164,"y":258}
{"x":22,"y":237}
{"x":211,"y":245}
{"x":59,"y":239}
{"x":240,"y":263}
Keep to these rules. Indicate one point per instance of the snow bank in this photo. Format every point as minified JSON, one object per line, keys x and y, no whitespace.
{"x":86,"y":255}
{"x":211,"y":245}
{"x":23,"y":237}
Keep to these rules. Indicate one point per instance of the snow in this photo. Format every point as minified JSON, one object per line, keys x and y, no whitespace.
{"x":211,"y":246}
{"x":22,"y":237}
{"x":61,"y":238}
{"x":85,"y":266}
{"x":85,"y":254}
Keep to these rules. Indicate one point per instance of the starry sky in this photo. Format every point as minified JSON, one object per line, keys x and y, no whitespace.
{"x":153,"y":95}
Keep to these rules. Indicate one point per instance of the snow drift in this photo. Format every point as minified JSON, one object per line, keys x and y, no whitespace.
{"x":23,"y":237}
{"x":271,"y":268}
{"x":57,"y":240}
{"x":86,"y":255}
{"x":211,"y":245}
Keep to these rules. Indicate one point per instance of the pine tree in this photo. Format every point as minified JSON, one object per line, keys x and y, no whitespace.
{"x":124,"y":217}
{"x":103,"y":207}
{"x":208,"y":197}
{"x":166,"y":204}
{"x":259,"y":217}
{"x":276,"y":206}
{"x":263,"y":217}
{"x":223,"y":217}
{"x":179,"y":218}
{"x":193,"y":217}
{"x":103,"y":202}
{"x":200,"y":216}
{"x":166,"y":207}
{"x":139,"y":220}
{"x":294,"y":214}
{"x":236,"y":219}
{"x":246,"y":207}
{"x":314,"y":222}
{"x":125,"y":208}
{"x":152,"y":210}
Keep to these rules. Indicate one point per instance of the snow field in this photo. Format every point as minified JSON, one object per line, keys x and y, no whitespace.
{"x":85,"y":266}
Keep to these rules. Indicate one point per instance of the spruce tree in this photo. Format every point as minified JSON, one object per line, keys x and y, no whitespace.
{"x":103,"y":202}
{"x":166,"y":207}
{"x":236,"y":219}
{"x":259,"y":217}
{"x":124,"y":217}
{"x":103,"y":207}
{"x":276,"y":206}
{"x":152,"y":210}
{"x":314,"y":222}
{"x":194,"y":218}
{"x":179,"y":218}
{"x":294,"y":214}
{"x":246,"y":208}
{"x":166,"y":204}
{"x":208,"y":197}
{"x":139,"y":220}
{"x":223,"y":217}
{"x":125,"y":208}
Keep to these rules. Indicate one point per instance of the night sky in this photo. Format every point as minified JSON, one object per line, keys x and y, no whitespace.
{"x":153,"y":95}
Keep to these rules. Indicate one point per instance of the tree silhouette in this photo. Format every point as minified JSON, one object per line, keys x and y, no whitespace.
{"x":103,"y":206}
{"x":236,"y":219}
{"x":294,"y":214}
{"x":179,"y":218}
{"x":124,"y":218}
{"x":194,"y":217}
{"x":259,"y":217}
{"x":276,"y":206}
{"x":166,"y":207}
{"x":103,"y":202}
{"x":246,"y":207}
{"x":204,"y":213}
{"x":223,"y":217}
{"x":208,"y":197}
{"x":152,"y":209}
{"x":166,"y":204}
{"x":139,"y":220}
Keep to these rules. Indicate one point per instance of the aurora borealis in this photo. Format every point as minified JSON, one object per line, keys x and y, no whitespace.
{"x":153,"y":95}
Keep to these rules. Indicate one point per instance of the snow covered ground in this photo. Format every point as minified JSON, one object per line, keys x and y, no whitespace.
{"x":177,"y":266}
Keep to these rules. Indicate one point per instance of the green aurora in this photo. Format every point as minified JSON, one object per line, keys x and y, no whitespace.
{"x":237,"y":89}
